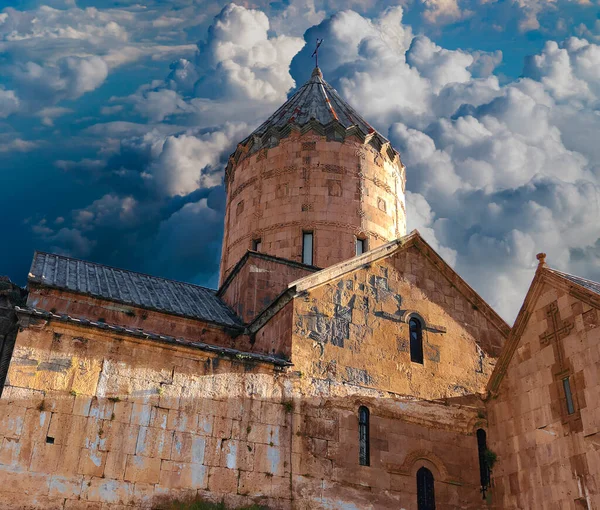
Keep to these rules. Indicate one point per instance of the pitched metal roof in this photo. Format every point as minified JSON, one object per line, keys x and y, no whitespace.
{"x":128,"y":287}
{"x":315,"y":104}
{"x":588,"y":284}
{"x":317,"y":100}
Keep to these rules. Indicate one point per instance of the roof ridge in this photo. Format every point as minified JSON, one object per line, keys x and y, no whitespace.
{"x":572,"y":275}
{"x":99,"y":264}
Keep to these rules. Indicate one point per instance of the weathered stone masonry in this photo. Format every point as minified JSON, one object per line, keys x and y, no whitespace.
{"x":126,"y":390}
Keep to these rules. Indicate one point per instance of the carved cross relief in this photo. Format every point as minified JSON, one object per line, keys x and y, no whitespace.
{"x":557,"y":330}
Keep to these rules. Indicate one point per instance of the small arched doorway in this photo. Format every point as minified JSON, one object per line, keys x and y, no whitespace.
{"x":425,"y":490}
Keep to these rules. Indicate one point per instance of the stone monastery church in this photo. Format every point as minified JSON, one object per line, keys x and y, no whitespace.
{"x":341,"y":364}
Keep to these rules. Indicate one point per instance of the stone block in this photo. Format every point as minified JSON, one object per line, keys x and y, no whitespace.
{"x":154,"y":442}
{"x":9,"y":452}
{"x":66,"y":486}
{"x":237,"y":455}
{"x":140,"y":414}
{"x":222,"y":480}
{"x":270,"y":459}
{"x":321,"y":428}
{"x":142,"y":469}
{"x":45,"y":457}
{"x":266,"y":434}
{"x":115,"y":464}
{"x":91,"y":462}
{"x":76,"y":504}
{"x":253,"y":483}
{"x":12,"y":421}
{"x":105,"y":490}
{"x":183,"y":475}
{"x":188,"y":448}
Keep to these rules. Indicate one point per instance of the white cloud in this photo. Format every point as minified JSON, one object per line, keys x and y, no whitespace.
{"x":190,"y":161}
{"x":239,"y":66}
{"x":443,"y":11}
{"x":18,"y":145}
{"x":9,"y":103}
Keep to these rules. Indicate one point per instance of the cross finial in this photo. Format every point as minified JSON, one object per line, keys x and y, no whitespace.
{"x":316,"y":52}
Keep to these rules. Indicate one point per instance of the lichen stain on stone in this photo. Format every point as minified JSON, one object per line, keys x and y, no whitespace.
{"x":274,"y":458}
{"x":60,"y":365}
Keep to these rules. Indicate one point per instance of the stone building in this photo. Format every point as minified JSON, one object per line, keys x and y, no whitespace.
{"x":341,"y":364}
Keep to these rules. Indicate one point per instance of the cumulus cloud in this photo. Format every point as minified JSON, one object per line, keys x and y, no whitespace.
{"x":187,"y":162}
{"x":17,"y":144}
{"x":63,"y":53}
{"x":9,"y":102}
{"x":238,"y":71}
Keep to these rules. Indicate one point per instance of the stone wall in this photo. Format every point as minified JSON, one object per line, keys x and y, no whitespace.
{"x":257,"y":281}
{"x":548,"y":458}
{"x":405,"y":435}
{"x":91,"y":419}
{"x":10,"y":295}
{"x":339,"y":190}
{"x":275,"y":337}
{"x":98,"y":420}
{"x":354,"y":330}
{"x":100,"y":310}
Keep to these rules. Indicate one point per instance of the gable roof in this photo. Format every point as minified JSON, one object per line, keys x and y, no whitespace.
{"x":130,"y":288}
{"x":413,"y":239}
{"x":586,"y":290}
{"x":265,"y":256}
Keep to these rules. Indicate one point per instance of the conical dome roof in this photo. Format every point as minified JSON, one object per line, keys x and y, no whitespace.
{"x":316,"y":105}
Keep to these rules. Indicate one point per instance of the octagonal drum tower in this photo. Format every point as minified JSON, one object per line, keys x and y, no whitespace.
{"x":315,"y":183}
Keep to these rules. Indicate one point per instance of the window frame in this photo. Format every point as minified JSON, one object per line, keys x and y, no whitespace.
{"x":364,"y":440}
{"x":416,"y":344}
{"x":569,"y":401}
{"x":424,"y":476}
{"x":362,"y":242}
{"x":308,"y":234}
{"x":484,"y":469}
{"x":256,"y":244}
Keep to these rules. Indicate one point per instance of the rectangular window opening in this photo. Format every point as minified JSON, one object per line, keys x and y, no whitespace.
{"x":256,"y":244}
{"x":307,"y":248}
{"x":568,"y":395}
{"x":361,"y":246}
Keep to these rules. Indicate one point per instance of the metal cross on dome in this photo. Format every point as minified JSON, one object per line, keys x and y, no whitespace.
{"x":316,"y":52}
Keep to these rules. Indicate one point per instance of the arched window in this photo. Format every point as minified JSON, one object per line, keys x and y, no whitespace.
{"x":416,"y":340}
{"x":484,"y":470}
{"x":425,"y":492}
{"x":363,"y":436}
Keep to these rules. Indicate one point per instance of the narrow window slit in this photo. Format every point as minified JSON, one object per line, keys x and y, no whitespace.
{"x":416,"y":340}
{"x":363,"y":436}
{"x":307,"y":248}
{"x":568,"y":395}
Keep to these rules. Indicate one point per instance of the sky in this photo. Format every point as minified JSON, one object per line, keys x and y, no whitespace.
{"x":117,"y":119}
